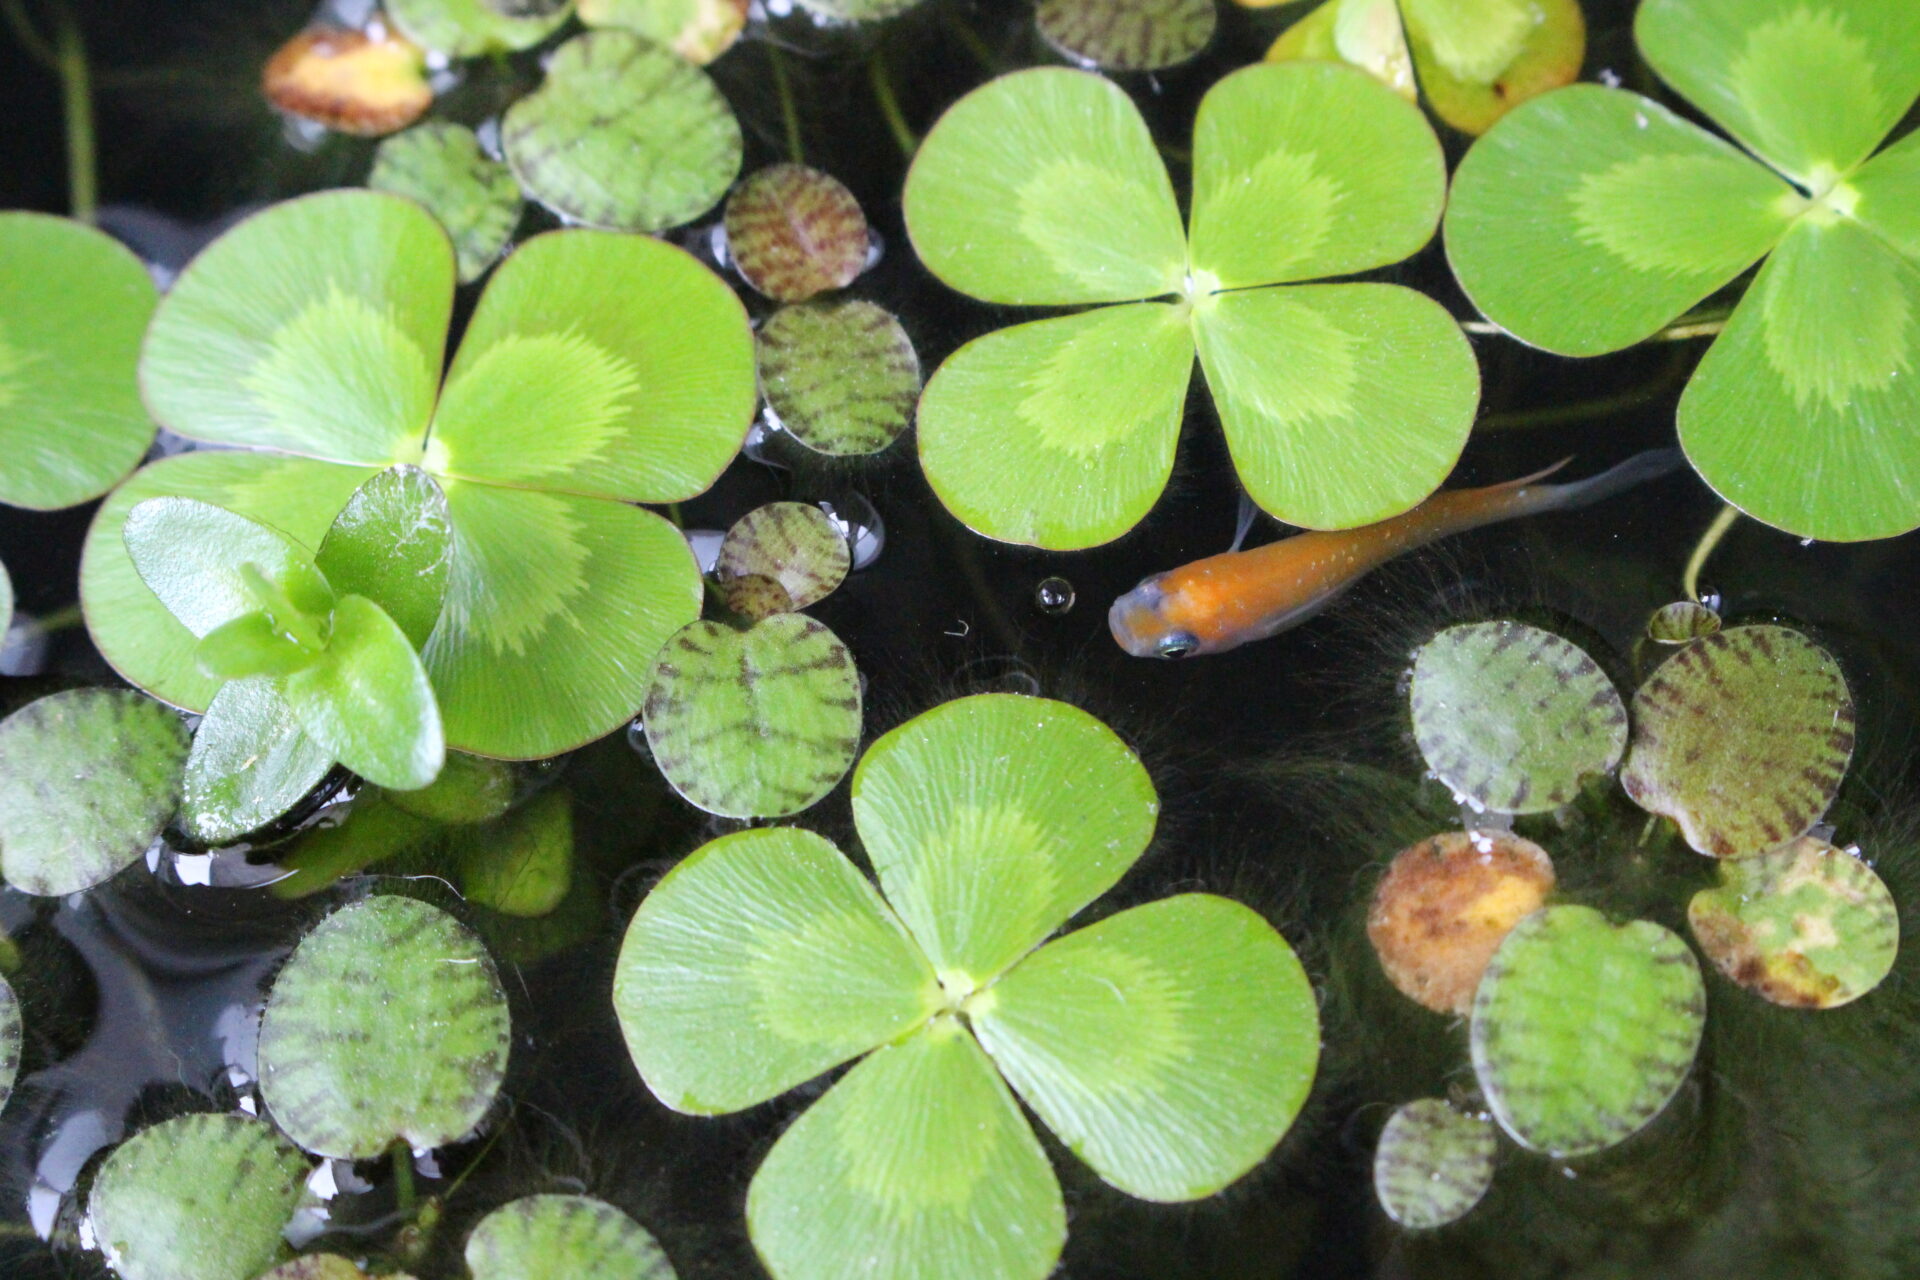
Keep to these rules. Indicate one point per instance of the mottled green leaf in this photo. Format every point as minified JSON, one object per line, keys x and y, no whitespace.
{"x":1886,"y":195}
{"x":794,"y":543}
{"x":1681,"y":622}
{"x":391,"y":545}
{"x":469,"y":28}
{"x":87,"y":779}
{"x":1583,"y":1030}
{"x":1127,"y":35}
{"x":1309,"y":169}
{"x":842,"y":377}
{"x":440,"y":165}
{"x":917,"y":1163}
{"x":1043,"y":187}
{"x":198,"y":1197}
{"x":697,"y":30}
{"x":325,"y":1266}
{"x":1742,"y":738}
{"x":250,"y":763}
{"x":1432,"y":1165}
{"x":366,"y":701}
{"x":1170,"y":1046}
{"x":521,"y":865}
{"x":1059,"y":433}
{"x":793,"y":232}
{"x":608,"y":365}
{"x":993,"y":819}
{"x":557,"y":1237}
{"x":1802,"y":413}
{"x":759,"y":962}
{"x":1343,"y":404}
{"x":210,"y":566}
{"x":623,"y":135}
{"x":73,"y":306}
{"x":10,"y":1039}
{"x":1588,"y":218}
{"x":387,"y":1022}
{"x":315,"y":326}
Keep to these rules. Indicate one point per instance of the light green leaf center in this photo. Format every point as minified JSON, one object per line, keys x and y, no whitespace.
{"x":988,"y":856}
{"x":504,"y":596}
{"x":895,"y":1174}
{"x":1080,"y":401}
{"x":1289,"y":196}
{"x":1664,"y":214}
{"x":551,"y":401}
{"x":1323,"y":357}
{"x":1861,"y":342}
{"x":1777,"y":55}
{"x":1083,"y":215}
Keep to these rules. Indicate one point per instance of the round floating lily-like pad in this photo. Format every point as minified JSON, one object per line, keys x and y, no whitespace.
{"x":1512,"y":717}
{"x":1682,"y":622}
{"x":1127,"y":35}
{"x":362,"y":82}
{"x":199,"y":1197}
{"x":1808,"y":925}
{"x":1583,"y":1030}
{"x":1446,"y":904}
{"x":469,"y":28}
{"x":794,"y":543}
{"x":842,"y":377}
{"x":324,"y":1266}
{"x":697,"y":30}
{"x":1433,"y":1164}
{"x":623,"y":135}
{"x":1742,"y":738}
{"x":88,"y":778}
{"x":388,"y":1022}
{"x":793,"y":232}
{"x":760,"y":723}
{"x":474,"y":196}
{"x":755,"y":596}
{"x":552,"y":1237}
{"x":10,"y":1037}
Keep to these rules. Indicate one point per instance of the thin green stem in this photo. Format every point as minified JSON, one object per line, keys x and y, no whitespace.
{"x":401,"y":1157}
{"x":1690,"y":580}
{"x":967,"y":36}
{"x":1585,"y":410}
{"x":15,"y":14}
{"x":1701,"y":324}
{"x":789,"y":109}
{"x":889,"y":105}
{"x":76,"y":87}
{"x":59,"y":619}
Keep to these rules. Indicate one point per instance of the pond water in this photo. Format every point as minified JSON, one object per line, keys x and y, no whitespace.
{"x":1286,"y":768}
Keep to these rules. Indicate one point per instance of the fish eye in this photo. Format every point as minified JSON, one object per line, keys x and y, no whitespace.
{"x":1176,"y":644}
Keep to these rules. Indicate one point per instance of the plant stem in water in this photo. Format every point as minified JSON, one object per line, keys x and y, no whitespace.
{"x":1587,"y":409}
{"x":889,"y":105}
{"x":1702,"y":324}
{"x":402,"y":1158}
{"x":967,"y":36}
{"x":1690,"y":580}
{"x":789,"y":109}
{"x":59,"y":619}
{"x":66,"y":57}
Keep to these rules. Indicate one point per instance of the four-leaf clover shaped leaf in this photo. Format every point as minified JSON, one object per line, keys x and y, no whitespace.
{"x":1170,"y":1046}
{"x":1589,"y":218}
{"x":599,"y":370}
{"x":1343,"y":404}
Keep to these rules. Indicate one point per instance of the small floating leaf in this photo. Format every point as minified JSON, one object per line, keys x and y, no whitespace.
{"x":548,"y":1237}
{"x":87,"y":779}
{"x":1583,"y":1030}
{"x":10,"y":1037}
{"x":697,"y":30}
{"x":361,"y":82}
{"x":842,"y":377}
{"x":1551,"y":48}
{"x":754,"y":596}
{"x":251,"y":762}
{"x":325,"y":1266}
{"x":761,"y":723}
{"x":623,"y":135}
{"x":794,"y":543}
{"x":1366,"y":33}
{"x":469,"y":28}
{"x":1742,"y":738}
{"x":387,"y":1022}
{"x":794,"y":232}
{"x":1513,"y":717}
{"x":392,"y":544}
{"x":198,"y":1197}
{"x":1808,"y":925}
{"x":1127,"y":35}
{"x":1433,"y":1164}
{"x":474,"y":196}
{"x":469,"y":789}
{"x":1446,"y":904}
{"x":1682,"y":622}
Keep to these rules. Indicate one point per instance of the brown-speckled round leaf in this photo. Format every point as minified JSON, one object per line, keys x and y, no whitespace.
{"x":1446,"y":904}
{"x":1433,"y":1164}
{"x":755,"y":596}
{"x":794,"y":232}
{"x":1127,"y":35}
{"x":1682,"y":622}
{"x":1742,"y":738}
{"x":842,"y":377}
{"x":794,"y":543}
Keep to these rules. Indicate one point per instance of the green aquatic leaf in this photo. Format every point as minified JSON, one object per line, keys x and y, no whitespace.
{"x":1309,"y":169}
{"x":441,"y":166}
{"x":552,"y":1236}
{"x":982,"y":860}
{"x":250,"y":762}
{"x":841,"y":377}
{"x":1343,"y":404}
{"x":697,"y":30}
{"x":1432,"y":1165}
{"x":1037,"y":434}
{"x":88,"y":777}
{"x":1886,"y":196}
{"x":251,"y":645}
{"x":1043,"y":187}
{"x":1127,"y":35}
{"x":1800,"y":414}
{"x":1812,"y":86}
{"x":469,"y":790}
{"x":470,"y":28}
{"x":793,"y":232}
{"x":198,"y":1197}
{"x":324,"y":1266}
{"x":623,"y":135}
{"x":563,"y":384}
{"x":1364,"y":33}
{"x":10,"y":1039}
{"x":387,"y":1022}
{"x":375,"y":830}
{"x":521,"y":865}
{"x":917,"y":1162}
{"x":759,"y":962}
{"x":1583,"y":1030}
{"x":1170,"y":1046}
{"x":794,"y":543}
{"x":1472,"y":40}
{"x":1552,"y":47}
{"x":1742,"y":738}
{"x":754,"y":724}
{"x":1588,"y":218}
{"x":366,"y":700}
{"x":1512,"y":717}
{"x":391,"y":545}
{"x":315,"y":327}
{"x":1682,"y":622}
{"x":210,"y":567}
{"x":76,"y":304}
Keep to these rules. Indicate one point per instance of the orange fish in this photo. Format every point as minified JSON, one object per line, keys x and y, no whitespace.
{"x":1223,"y":601}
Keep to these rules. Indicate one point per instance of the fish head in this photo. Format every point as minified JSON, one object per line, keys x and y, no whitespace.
{"x":1147,"y":622}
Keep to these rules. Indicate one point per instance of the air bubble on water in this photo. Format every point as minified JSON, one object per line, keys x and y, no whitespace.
{"x":488,"y":133}
{"x":706,"y":547}
{"x":1609,"y":77}
{"x":764,"y":438}
{"x":23,"y":650}
{"x":1053,"y":596}
{"x":876,"y":249}
{"x":1806,"y":542}
{"x":860,"y":524}
{"x":637,"y":740}
{"x":717,"y":245}
{"x":1821,"y":831}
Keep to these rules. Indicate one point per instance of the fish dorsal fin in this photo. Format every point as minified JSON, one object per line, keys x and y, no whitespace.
{"x":1243,"y":523}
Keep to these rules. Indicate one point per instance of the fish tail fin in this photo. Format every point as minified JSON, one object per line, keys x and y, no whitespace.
{"x":1619,"y":478}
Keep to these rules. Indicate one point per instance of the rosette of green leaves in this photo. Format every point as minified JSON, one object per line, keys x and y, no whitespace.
{"x":1170,"y":1045}
{"x":1343,"y":404}
{"x":599,"y":371}
{"x":1589,"y":218}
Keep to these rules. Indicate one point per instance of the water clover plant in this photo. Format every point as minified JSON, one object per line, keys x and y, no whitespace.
{"x":1170,"y":1046}
{"x":598,"y":371}
{"x":1591,"y":217}
{"x":1343,"y":404}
